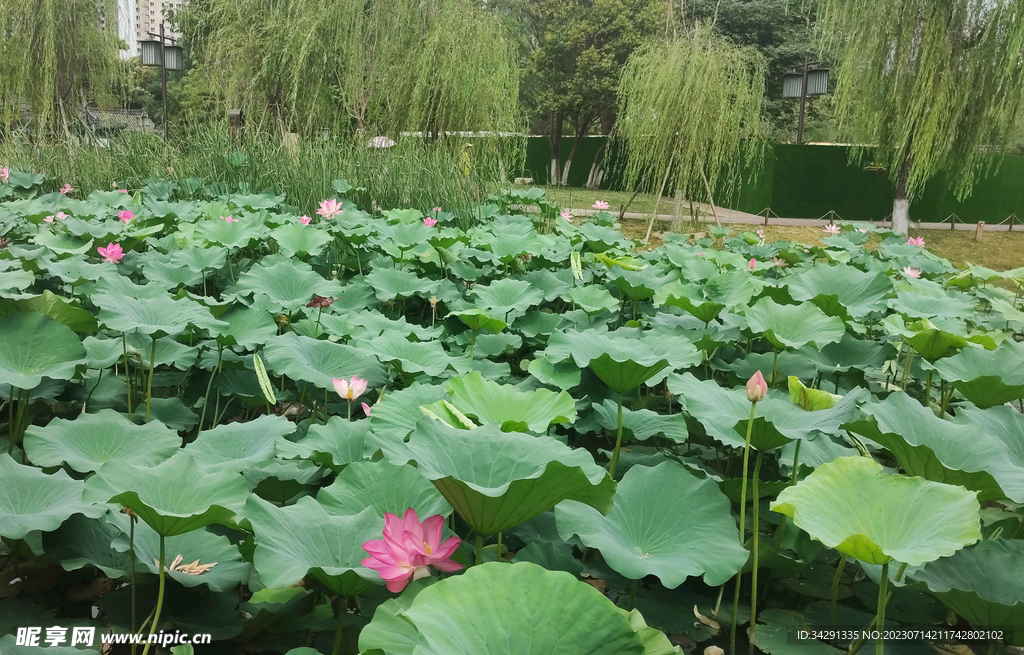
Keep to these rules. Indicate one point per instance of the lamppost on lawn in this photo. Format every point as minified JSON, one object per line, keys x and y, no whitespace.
{"x":168,"y":56}
{"x":811,"y":82}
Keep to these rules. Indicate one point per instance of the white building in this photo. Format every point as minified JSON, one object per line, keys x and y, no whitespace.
{"x":136,"y":19}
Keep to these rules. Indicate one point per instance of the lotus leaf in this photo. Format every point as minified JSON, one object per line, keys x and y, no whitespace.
{"x":851,"y":505}
{"x":794,"y":326}
{"x":496,"y":480}
{"x":504,"y":405}
{"x":986,"y":377}
{"x":35,"y":346}
{"x":665,"y":522}
{"x":383,"y":487}
{"x":32,"y":500}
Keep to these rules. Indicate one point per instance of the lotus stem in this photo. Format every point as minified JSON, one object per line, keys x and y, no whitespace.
{"x":10,"y":422}
{"x":743,"y":527}
{"x":350,"y":410}
{"x":17,"y":428}
{"x":632,"y":595}
{"x":479,"y":548}
{"x":835,"y":587}
{"x":316,"y":330}
{"x":127,"y":376}
{"x":775,"y":366}
{"x":499,"y":547}
{"x":718,"y":603}
{"x":618,"y":440}
{"x":753,"y":572}
{"x":149,"y":386}
{"x":159,"y":601}
{"x":340,"y":630}
{"x":131,"y":564}
{"x":880,"y":618}
{"x":209,"y":385}
{"x":928,"y":389}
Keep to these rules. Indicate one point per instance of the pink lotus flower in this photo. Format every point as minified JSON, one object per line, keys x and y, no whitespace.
{"x":125,"y":215}
{"x":752,"y":264}
{"x":600,"y":204}
{"x":170,"y":169}
{"x":430,"y":222}
{"x":757,"y":388}
{"x":123,"y":190}
{"x":229,"y":219}
{"x":832,"y":229}
{"x":112,"y":253}
{"x":350,"y":389}
{"x":409,"y":548}
{"x":4,"y":174}
{"x":916,"y":241}
{"x":60,"y":216}
{"x":48,"y":219}
{"x":367,"y":408}
{"x":760,"y":233}
{"x":780,"y":262}
{"x":566,"y":215}
{"x":911,"y":272}
{"x":66,"y":189}
{"x":436,"y":209}
{"x":700,"y":254}
{"x":330,"y":208}
{"x":305,"y":220}
{"x":862,"y":230}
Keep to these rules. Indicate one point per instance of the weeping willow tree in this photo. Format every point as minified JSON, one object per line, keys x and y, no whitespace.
{"x":55,"y":56}
{"x":927,"y":85}
{"x":382,"y":66}
{"x":689,"y":111}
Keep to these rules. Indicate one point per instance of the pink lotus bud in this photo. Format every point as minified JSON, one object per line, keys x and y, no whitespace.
{"x":757,"y":388}
{"x":752,"y":264}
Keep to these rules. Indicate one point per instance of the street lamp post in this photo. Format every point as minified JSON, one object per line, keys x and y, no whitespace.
{"x":809,"y":82}
{"x":157,"y":52}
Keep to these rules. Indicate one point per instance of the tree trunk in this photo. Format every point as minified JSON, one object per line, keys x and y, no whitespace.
{"x":900,"y":202}
{"x":555,"y":145}
{"x":581,"y":130}
{"x":596,"y":172}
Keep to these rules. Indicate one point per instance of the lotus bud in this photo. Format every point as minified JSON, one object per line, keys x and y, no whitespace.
{"x":433,"y":301}
{"x":757,"y":388}
{"x":752,"y":264}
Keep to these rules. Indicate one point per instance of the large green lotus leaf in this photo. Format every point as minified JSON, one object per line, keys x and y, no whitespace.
{"x":312,"y":360}
{"x":200,"y":260}
{"x":915,"y":304}
{"x":64,"y":312}
{"x":237,"y":446}
{"x":75,"y":270}
{"x":91,"y":440}
{"x":851,"y":505}
{"x":849,"y":353}
{"x":32,"y":500}
{"x":507,"y":299}
{"x":334,"y":445}
{"x":63,"y":243}
{"x":496,"y":480}
{"x":641,"y":424}
{"x":169,"y":352}
{"x":935,"y":449}
{"x":231,"y":235}
{"x":665,"y":522}
{"x":724,"y":413}
{"x":161,"y":316}
{"x":16,"y":280}
{"x":395,"y":416}
{"x":201,"y":545}
{"x":35,"y":346}
{"x":932,"y":343}
{"x":689,"y":298}
{"x":304,"y":539}
{"x":294,"y":238}
{"x":1002,"y":423}
{"x":794,"y":326}
{"x":986,"y":377}
{"x":9,"y":646}
{"x":170,"y":275}
{"x":391,"y":283}
{"x":506,"y":406}
{"x":384,"y":487}
{"x":564,"y":375}
{"x":286,"y":285}
{"x":623,"y":359}
{"x":841,"y":290}
{"x":173,"y":497}
{"x":427,"y":357}
{"x":733,"y":289}
{"x":983,"y":584}
{"x":538,"y":612}
{"x":247,"y":327}
{"x":477,"y":319}
{"x":592,"y":299}
{"x":403,"y":236}
{"x":83,"y":541}
{"x":640,"y":284}
{"x":811,"y":400}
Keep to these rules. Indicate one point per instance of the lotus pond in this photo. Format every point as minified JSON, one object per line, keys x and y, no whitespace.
{"x":382,"y":433}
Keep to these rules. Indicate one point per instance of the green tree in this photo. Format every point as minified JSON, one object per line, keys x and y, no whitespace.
{"x":576,"y":50}
{"x":56,"y":55}
{"x":381,"y":66}
{"x":927,"y":85}
{"x":689,"y":113}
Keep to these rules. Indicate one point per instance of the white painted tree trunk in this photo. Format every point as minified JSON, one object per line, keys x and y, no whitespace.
{"x":565,"y":172}
{"x":901,"y":216}
{"x":555,"y":177}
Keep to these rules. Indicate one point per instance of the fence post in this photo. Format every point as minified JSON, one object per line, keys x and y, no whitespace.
{"x":952,"y":222}
{"x":1012,"y":216}
{"x":980,"y":231}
